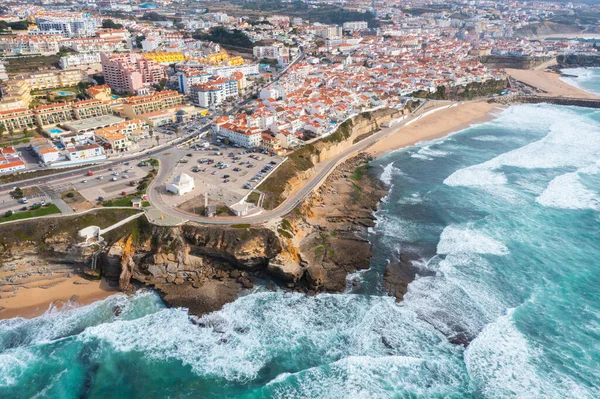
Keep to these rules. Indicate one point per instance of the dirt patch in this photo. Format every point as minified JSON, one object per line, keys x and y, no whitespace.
{"x":76,"y":201}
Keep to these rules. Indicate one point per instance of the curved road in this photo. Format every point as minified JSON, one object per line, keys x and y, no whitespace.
{"x":291,"y":202}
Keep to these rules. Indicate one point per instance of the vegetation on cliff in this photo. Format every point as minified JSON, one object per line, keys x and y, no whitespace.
{"x":467,"y":92}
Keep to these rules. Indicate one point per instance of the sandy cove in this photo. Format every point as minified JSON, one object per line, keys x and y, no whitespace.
{"x":31,"y":297}
{"x":435,"y":125}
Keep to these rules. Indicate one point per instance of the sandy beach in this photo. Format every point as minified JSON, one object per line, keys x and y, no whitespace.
{"x":549,"y":82}
{"x":435,"y":125}
{"x":33,"y":298}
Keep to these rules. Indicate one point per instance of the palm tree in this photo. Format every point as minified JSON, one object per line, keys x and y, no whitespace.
{"x":11,"y":132}
{"x":157,"y":139}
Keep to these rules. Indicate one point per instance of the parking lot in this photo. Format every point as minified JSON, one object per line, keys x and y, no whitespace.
{"x":226,"y":173}
{"x":110,"y":183}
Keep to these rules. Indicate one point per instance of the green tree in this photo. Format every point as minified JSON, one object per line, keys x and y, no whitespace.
{"x":2,"y":130}
{"x":110,"y":24}
{"x":8,"y":214}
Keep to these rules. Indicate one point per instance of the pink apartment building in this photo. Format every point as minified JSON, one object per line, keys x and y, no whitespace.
{"x":130,"y":72}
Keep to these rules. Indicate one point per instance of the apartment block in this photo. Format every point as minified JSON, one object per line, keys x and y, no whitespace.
{"x":130,"y":72}
{"x":53,"y":114}
{"x":17,"y":119}
{"x":76,"y":60}
{"x":30,"y":45}
{"x":83,"y":26}
{"x":90,"y":108}
{"x":134,"y":106}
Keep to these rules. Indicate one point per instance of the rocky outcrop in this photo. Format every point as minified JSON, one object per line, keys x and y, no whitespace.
{"x":513,"y":62}
{"x":578,"y":61}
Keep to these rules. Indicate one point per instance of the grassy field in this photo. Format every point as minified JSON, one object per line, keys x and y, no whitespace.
{"x":31,"y":64}
{"x":43,"y":211}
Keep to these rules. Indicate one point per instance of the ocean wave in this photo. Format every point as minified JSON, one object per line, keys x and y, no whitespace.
{"x":568,"y":192}
{"x":457,"y":239}
{"x":572,"y":141}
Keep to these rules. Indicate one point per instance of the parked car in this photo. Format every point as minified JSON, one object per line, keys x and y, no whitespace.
{"x":84,"y":181}
{"x":132,"y":183}
{"x":226,"y":176}
{"x":188,"y":155}
{"x":236,"y":169}
{"x":125,"y":177}
{"x":100,"y":177}
{"x":114,"y":178}
{"x":100,"y":198}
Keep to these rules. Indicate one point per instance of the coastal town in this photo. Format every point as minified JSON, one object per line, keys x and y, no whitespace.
{"x":105,"y":83}
{"x":299,"y":199}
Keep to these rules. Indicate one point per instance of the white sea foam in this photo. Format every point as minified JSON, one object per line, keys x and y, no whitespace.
{"x":13,"y":364}
{"x":457,"y":239}
{"x":568,"y":192}
{"x":386,"y":176}
{"x":487,"y":138}
{"x":503,"y":364}
{"x":421,"y":156}
{"x":430,"y":152}
{"x":582,"y":78}
{"x":572,"y":141}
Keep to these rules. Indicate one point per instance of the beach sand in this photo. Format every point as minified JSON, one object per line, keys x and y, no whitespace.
{"x":549,"y":82}
{"x":435,"y":125}
{"x":31,"y":299}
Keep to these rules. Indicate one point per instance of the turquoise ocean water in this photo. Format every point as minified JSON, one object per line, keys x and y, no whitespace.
{"x":503,"y":223}
{"x":587,"y":79}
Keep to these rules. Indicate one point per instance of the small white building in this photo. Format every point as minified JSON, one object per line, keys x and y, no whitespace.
{"x":181,"y":184}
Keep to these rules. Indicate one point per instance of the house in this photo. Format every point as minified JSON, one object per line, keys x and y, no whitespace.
{"x":181,"y":184}
{"x":45,"y":150}
{"x":10,"y":161}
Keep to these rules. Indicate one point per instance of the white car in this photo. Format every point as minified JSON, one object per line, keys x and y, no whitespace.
{"x":113,"y":179}
{"x":84,"y":181}
{"x":100,"y":177}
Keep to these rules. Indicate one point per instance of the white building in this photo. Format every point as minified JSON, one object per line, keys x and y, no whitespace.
{"x":181,"y":184}
{"x":84,"y":26}
{"x":356,"y":25}
{"x":75,"y":60}
{"x":91,"y":152}
{"x":249,"y":138}
{"x":276,"y":52}
{"x":3,"y":75}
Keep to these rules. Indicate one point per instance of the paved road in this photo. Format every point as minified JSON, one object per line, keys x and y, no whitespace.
{"x":291,"y":202}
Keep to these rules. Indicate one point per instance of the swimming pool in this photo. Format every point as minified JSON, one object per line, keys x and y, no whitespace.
{"x":64,"y":93}
{"x":55,"y":130}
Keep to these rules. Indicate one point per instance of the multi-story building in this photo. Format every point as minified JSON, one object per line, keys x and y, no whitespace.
{"x":329,"y":32}
{"x":29,"y":45}
{"x":113,"y":139}
{"x":275,"y":52}
{"x":356,"y":25}
{"x":249,"y":137}
{"x":53,"y":114}
{"x":207,"y":95}
{"x":90,"y":108}
{"x":187,"y":78}
{"x":135,"y":106}
{"x":52,"y":80}
{"x":165,"y":57}
{"x":130,"y":72}
{"x":83,"y":26}
{"x":17,"y":119}
{"x":75,"y":60}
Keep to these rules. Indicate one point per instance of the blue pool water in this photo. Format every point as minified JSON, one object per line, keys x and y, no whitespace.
{"x":54,"y":131}
{"x":503,"y":223}
{"x":64,"y":93}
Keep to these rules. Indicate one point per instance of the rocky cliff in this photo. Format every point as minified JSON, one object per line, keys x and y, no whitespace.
{"x":514,"y":62}
{"x":311,"y":250}
{"x":578,"y":60}
{"x":300,"y":165}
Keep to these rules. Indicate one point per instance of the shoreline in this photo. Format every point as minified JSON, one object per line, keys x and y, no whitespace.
{"x":31,"y":299}
{"x":438,"y":124}
{"x":550,"y":82}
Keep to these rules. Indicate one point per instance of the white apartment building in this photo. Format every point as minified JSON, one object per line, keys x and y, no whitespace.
{"x":356,"y":25}
{"x":275,"y":52}
{"x":75,"y":60}
{"x":329,"y":32}
{"x":84,"y":26}
{"x":227,"y":71}
{"x":249,"y":138}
